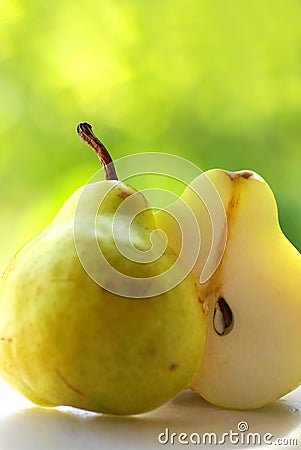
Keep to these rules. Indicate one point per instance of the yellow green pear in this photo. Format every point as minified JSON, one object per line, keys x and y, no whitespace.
{"x":123,"y":339}
{"x":250,"y":281}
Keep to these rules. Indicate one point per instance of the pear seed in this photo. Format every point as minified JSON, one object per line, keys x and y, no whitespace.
{"x":222,"y":318}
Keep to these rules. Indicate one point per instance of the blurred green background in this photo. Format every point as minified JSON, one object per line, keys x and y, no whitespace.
{"x":217,"y":82}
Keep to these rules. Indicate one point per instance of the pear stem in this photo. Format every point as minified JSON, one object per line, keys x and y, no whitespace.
{"x":86,"y":134}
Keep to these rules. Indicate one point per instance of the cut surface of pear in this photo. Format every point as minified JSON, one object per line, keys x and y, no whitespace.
{"x":252,"y":300}
{"x":66,"y":340}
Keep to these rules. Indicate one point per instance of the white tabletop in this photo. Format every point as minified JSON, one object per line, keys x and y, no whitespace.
{"x":24,"y":426}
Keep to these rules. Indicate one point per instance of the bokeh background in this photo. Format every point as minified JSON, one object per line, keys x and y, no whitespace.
{"x":217,"y":82}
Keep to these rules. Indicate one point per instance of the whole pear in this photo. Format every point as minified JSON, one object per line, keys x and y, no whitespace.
{"x":250,"y":280}
{"x":123,"y":339}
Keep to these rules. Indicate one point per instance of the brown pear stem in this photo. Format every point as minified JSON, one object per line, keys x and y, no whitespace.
{"x":85,"y":132}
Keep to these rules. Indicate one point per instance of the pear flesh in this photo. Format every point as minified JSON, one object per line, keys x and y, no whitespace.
{"x":252,"y":354}
{"x":68,"y":339}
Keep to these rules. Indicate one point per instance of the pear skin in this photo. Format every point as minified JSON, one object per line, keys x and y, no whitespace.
{"x":66,"y":339}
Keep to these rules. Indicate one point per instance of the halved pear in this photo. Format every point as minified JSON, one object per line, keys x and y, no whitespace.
{"x":252,"y":353}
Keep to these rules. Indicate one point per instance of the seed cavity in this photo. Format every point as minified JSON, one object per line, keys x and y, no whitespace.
{"x":223,"y":317}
